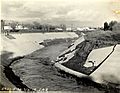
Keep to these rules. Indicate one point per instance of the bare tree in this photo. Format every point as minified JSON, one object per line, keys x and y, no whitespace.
{"x":111,"y":24}
{"x":63,"y":26}
{"x":36,"y":25}
{"x":13,"y":25}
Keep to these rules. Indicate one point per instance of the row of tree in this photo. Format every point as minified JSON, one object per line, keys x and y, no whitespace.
{"x":34,"y":26}
{"x":46,"y":27}
{"x":110,"y":25}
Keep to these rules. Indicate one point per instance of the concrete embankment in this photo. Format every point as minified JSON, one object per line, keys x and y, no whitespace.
{"x":109,"y":71}
{"x":98,"y":58}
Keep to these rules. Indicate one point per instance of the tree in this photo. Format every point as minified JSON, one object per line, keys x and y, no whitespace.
{"x":116,"y":27}
{"x":111,"y":24}
{"x":13,"y":25}
{"x":106,"y":26}
{"x":63,"y":26}
{"x":52,"y":28}
{"x":36,"y":25}
{"x":23,"y":25}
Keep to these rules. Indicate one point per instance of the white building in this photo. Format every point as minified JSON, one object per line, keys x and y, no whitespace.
{"x":68,"y":29}
{"x":59,"y":29}
{"x":19,"y":27}
{"x":85,"y":29}
{"x":7,"y":28}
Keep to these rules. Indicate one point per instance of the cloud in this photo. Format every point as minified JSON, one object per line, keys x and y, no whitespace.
{"x":58,"y":11}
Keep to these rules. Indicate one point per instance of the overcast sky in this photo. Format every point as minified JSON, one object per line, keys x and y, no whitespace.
{"x":69,"y":12}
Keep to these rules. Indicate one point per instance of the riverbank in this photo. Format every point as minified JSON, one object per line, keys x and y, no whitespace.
{"x":9,"y":81}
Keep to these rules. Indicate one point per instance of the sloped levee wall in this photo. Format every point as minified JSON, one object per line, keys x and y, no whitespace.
{"x":86,"y":60}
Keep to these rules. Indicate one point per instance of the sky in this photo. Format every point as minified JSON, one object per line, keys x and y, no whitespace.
{"x":69,"y":12}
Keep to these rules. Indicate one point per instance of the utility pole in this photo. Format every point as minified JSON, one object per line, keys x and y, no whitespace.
{"x":2,"y":25}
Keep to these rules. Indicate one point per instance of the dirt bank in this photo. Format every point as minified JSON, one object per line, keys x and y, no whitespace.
{"x":9,"y":81}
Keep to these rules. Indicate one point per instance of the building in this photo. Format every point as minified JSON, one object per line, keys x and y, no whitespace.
{"x":85,"y":29}
{"x":68,"y":29}
{"x":7,"y":28}
{"x":58,"y":29}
